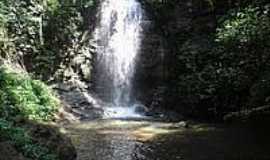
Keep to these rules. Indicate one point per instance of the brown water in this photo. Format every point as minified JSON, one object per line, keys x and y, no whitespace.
{"x":146,"y":140}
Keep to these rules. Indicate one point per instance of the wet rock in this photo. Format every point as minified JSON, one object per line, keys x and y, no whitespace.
{"x":77,"y":102}
{"x":141,"y":109}
{"x":86,"y":71}
{"x":80,"y":105}
{"x":65,"y":115}
{"x":78,"y":60}
{"x":182,"y":124}
{"x":2,"y":61}
{"x":253,"y":114}
{"x":164,"y":114}
{"x":61,"y":87}
{"x":8,"y":152}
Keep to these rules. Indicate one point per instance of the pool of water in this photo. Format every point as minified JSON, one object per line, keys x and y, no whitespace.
{"x":148,"y":140}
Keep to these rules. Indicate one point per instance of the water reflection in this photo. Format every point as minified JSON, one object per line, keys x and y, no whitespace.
{"x":146,"y":140}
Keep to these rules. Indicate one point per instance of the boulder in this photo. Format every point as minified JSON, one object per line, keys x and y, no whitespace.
{"x":141,"y":109}
{"x":182,"y":124}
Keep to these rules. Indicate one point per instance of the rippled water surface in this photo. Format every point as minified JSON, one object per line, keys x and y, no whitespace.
{"x":146,"y":140}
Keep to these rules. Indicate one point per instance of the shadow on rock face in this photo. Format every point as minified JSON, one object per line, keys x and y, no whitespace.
{"x":8,"y":152}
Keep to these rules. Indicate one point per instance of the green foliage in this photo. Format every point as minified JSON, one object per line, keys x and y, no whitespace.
{"x":70,"y":38}
{"x":216,"y":74}
{"x":243,"y":44}
{"x":21,"y":28}
{"x":22,"y":96}
{"x":23,"y":142}
{"x":4,"y":12}
{"x":43,"y":36}
{"x":26,"y":33}
{"x":243,"y":26}
{"x":53,"y":5}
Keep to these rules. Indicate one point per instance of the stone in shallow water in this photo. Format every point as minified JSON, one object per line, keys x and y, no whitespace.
{"x":141,"y":109}
{"x":121,"y":112}
{"x":183,"y":124}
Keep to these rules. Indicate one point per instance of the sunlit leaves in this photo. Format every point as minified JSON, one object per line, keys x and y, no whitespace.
{"x":22,"y":96}
{"x":244,"y":26}
{"x":220,"y":78}
{"x":52,"y":5}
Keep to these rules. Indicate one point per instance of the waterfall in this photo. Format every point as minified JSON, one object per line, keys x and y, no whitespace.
{"x":118,"y":37}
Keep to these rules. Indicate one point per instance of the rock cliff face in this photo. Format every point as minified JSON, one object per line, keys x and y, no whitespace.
{"x":150,"y":71}
{"x":169,"y":28}
{"x":177,"y":66}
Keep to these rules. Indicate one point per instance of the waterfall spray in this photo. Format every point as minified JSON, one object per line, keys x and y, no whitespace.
{"x":118,"y":36}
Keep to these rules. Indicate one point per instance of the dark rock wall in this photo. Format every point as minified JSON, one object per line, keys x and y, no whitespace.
{"x":181,"y":48}
{"x":150,"y":69}
{"x":168,"y":28}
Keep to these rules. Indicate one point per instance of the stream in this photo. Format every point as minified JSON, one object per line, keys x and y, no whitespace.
{"x":123,"y":139}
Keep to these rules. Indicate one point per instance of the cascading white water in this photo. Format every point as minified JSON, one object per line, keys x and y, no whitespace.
{"x":118,"y":37}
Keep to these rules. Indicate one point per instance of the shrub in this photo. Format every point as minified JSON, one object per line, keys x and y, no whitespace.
{"x":218,"y":79}
{"x":243,"y":26}
{"x":22,"y":96}
{"x":23,"y":142}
